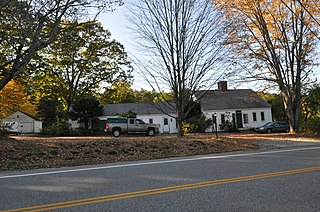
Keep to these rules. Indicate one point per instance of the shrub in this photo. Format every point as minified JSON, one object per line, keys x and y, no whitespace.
{"x":228,"y":126}
{"x":3,"y":132}
{"x":61,"y":128}
{"x":311,"y":126}
{"x":196,"y":124}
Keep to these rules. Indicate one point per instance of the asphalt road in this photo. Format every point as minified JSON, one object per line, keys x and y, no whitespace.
{"x":276,"y":180}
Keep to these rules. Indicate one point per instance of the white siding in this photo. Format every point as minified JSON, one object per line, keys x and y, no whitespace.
{"x":37,"y":126}
{"x":159,"y":119}
{"x":249,"y":125}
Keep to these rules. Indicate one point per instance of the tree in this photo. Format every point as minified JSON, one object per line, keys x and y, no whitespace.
{"x":182,"y":41}
{"x":118,"y":92}
{"x":27,"y":26}
{"x":85,"y":109}
{"x":13,"y":98}
{"x":277,"y":107}
{"x":277,"y":45}
{"x":129,"y":114}
{"x":121,"y":92}
{"x":311,"y":103}
{"x":196,"y":121}
{"x":81,"y":58}
{"x":312,"y":10}
{"x":50,"y":110}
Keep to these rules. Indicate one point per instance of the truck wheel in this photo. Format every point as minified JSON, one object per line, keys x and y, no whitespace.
{"x":116,"y":132}
{"x":151,"y":132}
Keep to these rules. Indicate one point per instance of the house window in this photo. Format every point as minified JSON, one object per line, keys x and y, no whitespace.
{"x":150,"y":121}
{"x":165,"y":121}
{"x":223,"y":120}
{"x":262,"y":116}
{"x":254,"y":114}
{"x":245,"y":119}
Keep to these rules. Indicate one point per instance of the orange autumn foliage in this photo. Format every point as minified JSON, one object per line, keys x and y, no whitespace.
{"x":13,"y":98}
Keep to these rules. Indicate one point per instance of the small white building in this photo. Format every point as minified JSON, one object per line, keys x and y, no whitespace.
{"x":28,"y":123}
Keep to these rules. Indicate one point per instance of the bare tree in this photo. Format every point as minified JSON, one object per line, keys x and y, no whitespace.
{"x":181,"y":43}
{"x":27,"y":26}
{"x":278,"y":47}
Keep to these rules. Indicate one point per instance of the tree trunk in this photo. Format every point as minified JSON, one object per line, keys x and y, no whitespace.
{"x":180,"y":130}
{"x":86,"y":126}
{"x":293,"y":110}
{"x":179,"y":120}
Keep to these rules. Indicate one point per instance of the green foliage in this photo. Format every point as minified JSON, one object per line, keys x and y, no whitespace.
{"x":129,"y":114}
{"x":277,"y":106}
{"x":195,"y":121}
{"x":49,"y":110}
{"x":228,"y":126}
{"x":3,"y":132}
{"x":121,"y":92}
{"x":311,"y":126}
{"x":196,"y":124}
{"x":85,"y":109}
{"x":311,"y":104}
{"x":28,"y":26}
{"x":61,"y":127}
{"x":79,"y":61}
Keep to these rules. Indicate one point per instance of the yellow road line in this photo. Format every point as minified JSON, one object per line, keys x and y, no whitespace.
{"x":107,"y":198}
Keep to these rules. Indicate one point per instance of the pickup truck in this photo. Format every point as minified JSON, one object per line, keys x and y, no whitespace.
{"x":117,"y":126}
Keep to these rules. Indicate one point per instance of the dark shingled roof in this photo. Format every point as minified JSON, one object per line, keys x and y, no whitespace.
{"x":139,"y":108}
{"x":230,"y":99}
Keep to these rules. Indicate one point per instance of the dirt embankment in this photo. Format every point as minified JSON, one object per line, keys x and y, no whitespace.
{"x":27,"y":152}
{"x":31,"y":152}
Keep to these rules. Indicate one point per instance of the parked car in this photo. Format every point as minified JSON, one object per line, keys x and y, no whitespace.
{"x":12,"y":127}
{"x":117,"y":126}
{"x":277,"y":126}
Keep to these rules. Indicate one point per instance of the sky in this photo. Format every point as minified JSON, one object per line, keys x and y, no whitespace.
{"x":117,"y":23}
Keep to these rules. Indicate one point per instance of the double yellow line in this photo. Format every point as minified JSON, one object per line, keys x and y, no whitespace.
{"x":128,"y":195}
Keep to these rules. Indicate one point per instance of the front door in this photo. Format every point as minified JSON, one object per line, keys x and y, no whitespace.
{"x":166,"y":128}
{"x":239,"y":119}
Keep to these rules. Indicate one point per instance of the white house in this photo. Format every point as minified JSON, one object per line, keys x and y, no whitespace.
{"x":28,"y":123}
{"x":242,"y":107}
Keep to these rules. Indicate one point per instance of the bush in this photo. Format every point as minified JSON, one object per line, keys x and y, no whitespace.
{"x":196,"y":124}
{"x":61,"y":128}
{"x":228,"y":126}
{"x":311,"y":126}
{"x":4,"y":132}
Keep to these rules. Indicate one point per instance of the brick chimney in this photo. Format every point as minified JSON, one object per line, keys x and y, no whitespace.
{"x":222,"y":86}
